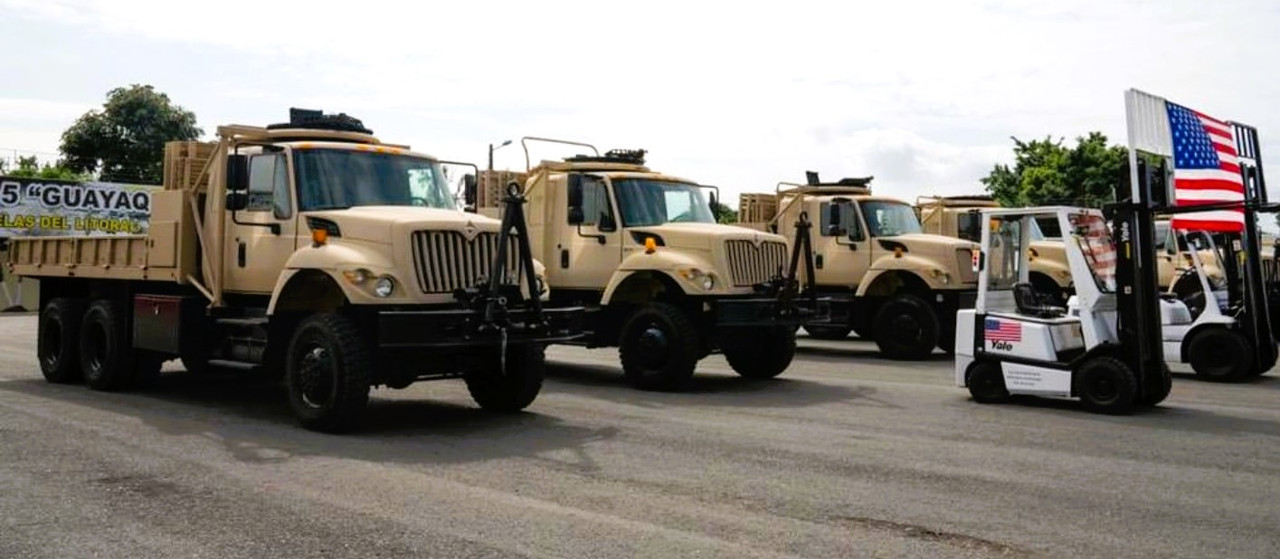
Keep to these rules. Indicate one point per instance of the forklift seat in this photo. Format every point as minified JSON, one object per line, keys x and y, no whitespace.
{"x":1030,"y":303}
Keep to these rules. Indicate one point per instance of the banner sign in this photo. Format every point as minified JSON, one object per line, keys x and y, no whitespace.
{"x":32,"y":207}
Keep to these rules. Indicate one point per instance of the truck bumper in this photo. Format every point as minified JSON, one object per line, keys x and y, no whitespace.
{"x":847,"y":309}
{"x":462,"y":328}
{"x":763,"y":312}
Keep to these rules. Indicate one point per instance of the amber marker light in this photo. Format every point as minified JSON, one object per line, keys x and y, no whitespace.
{"x":319,"y":236}
{"x":650,"y":245}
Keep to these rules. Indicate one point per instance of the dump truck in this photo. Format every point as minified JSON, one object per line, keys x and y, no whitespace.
{"x":660,"y":279}
{"x":308,"y":248}
{"x":888,"y":281}
{"x":961,"y":217}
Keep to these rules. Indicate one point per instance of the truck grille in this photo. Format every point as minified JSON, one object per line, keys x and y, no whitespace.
{"x":751,"y":264}
{"x":447,"y":261}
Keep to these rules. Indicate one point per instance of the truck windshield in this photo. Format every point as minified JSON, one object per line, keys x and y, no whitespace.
{"x":888,"y":219}
{"x":645,"y":202}
{"x":338,"y":178}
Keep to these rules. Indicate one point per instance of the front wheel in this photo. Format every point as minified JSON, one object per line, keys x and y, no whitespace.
{"x":1106,"y":385}
{"x":327,"y":373}
{"x":659,"y":347}
{"x":760,"y":353}
{"x":906,"y":328}
{"x":1219,"y":354}
{"x":509,"y":386}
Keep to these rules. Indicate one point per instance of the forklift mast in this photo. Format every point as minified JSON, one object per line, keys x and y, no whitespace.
{"x":1137,"y":280}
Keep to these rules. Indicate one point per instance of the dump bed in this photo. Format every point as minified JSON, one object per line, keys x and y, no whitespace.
{"x":168,"y":252}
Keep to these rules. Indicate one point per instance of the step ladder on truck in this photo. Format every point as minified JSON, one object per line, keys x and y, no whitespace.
{"x":1110,"y":350}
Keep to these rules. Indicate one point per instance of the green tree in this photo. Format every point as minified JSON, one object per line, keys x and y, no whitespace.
{"x":1048,"y":172}
{"x":31,"y":168}
{"x":124,"y":141}
{"x":723,"y":213}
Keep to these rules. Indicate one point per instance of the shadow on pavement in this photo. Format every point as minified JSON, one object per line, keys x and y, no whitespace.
{"x":705,"y":389}
{"x":251,"y":418}
{"x":1166,"y":416}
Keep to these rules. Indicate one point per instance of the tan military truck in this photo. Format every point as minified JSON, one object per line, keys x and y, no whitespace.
{"x":961,"y":217}
{"x":889,"y":281}
{"x":661,"y":280}
{"x":311,"y":247}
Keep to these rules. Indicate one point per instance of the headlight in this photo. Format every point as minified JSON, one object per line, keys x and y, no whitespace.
{"x":384,"y":287}
{"x":699,"y":278}
{"x":357,"y":276}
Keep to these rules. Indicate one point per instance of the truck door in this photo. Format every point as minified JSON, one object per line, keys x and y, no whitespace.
{"x":589,"y":247}
{"x":841,"y":245}
{"x":255,"y":254}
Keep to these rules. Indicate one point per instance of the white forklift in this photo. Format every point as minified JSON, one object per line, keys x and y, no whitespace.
{"x":1108,"y":347}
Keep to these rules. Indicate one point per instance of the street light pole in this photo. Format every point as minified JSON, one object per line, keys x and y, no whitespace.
{"x":492,"y":149}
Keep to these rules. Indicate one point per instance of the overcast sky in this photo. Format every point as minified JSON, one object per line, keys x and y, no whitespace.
{"x":923,"y":95}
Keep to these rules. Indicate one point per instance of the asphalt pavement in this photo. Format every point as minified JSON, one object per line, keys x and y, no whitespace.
{"x":845,"y":455}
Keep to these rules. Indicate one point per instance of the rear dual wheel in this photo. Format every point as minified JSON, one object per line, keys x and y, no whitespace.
{"x":108,"y":360}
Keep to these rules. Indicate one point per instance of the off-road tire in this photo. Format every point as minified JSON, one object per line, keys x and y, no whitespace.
{"x":1106,"y":385}
{"x":759,"y":353}
{"x":658,"y":364}
{"x":58,"y":340}
{"x":513,"y":389}
{"x":818,"y":332}
{"x":906,"y":328}
{"x":1157,"y":387}
{"x":328,"y":371}
{"x":985,"y":380}
{"x":106,"y":356}
{"x":1219,"y":354}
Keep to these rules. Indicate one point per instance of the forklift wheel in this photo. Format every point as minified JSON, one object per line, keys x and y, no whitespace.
{"x":986,"y":383}
{"x":1219,"y":354}
{"x":1106,"y":385}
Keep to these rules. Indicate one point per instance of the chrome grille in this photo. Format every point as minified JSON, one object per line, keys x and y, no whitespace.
{"x":447,"y":261}
{"x":750,"y":264}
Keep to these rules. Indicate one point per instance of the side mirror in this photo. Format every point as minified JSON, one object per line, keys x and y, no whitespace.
{"x":715,"y":202}
{"x":607,"y":223}
{"x":237,"y":201}
{"x":237,"y":173}
{"x":469,"y":189}
{"x":575,"y":215}
{"x":833,"y":216}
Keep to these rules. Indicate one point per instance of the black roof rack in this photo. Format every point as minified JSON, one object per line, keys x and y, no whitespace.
{"x":308,"y":119}
{"x":811,"y":179}
{"x":631,"y":156}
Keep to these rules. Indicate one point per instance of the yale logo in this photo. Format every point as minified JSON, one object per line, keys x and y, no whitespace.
{"x":1001,"y":345}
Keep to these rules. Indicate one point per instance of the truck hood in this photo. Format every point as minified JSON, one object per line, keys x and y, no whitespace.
{"x":704,"y":236}
{"x":376,"y":223}
{"x":926,"y":243}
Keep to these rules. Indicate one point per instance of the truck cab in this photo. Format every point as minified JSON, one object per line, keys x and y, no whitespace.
{"x":889,"y":281}
{"x":662,"y":281}
{"x":961,"y":217}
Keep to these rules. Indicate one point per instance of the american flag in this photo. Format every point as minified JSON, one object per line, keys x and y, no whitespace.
{"x":1003,"y":330}
{"x":1206,"y":169}
{"x":1205,"y":154}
